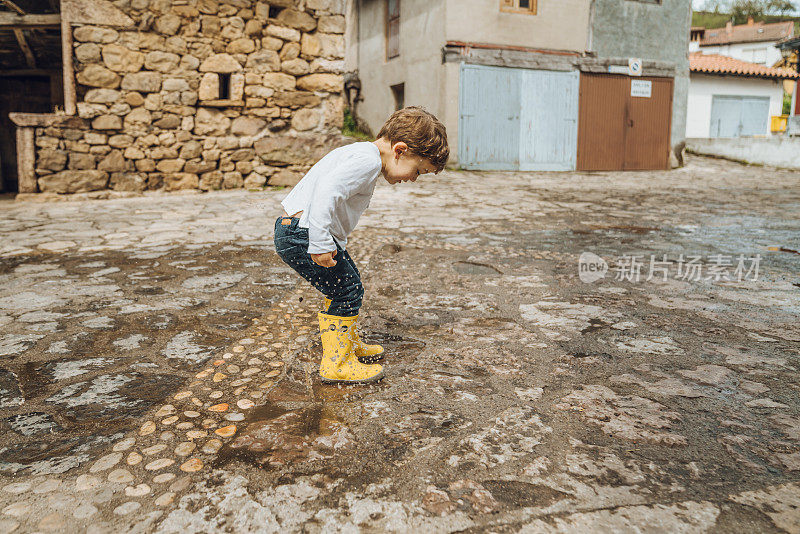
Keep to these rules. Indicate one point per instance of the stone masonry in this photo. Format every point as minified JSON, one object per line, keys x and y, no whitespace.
{"x":199,"y":94}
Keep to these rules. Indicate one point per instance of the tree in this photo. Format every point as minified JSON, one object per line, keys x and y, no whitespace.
{"x":741,"y":10}
{"x":780,"y":7}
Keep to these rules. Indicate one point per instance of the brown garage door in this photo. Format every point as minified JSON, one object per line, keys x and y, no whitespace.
{"x":624,"y":127}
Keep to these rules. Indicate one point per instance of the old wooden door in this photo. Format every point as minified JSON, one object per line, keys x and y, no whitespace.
{"x":601,"y":124}
{"x":649,"y":124}
{"x":624,"y":122}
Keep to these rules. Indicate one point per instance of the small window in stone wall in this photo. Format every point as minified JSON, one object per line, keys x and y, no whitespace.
{"x":221,"y":89}
{"x":224,"y":86}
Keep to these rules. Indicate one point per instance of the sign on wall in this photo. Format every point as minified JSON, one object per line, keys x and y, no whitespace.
{"x":641,"y":88}
{"x":635,"y":66}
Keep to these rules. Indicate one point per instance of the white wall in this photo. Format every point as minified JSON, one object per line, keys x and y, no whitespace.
{"x":419,"y":65}
{"x":561,"y":25}
{"x":703,"y":87}
{"x":777,"y":151}
{"x":425,"y":27}
{"x":764,"y":53}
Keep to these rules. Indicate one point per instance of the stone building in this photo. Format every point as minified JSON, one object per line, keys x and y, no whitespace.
{"x":170,"y":94}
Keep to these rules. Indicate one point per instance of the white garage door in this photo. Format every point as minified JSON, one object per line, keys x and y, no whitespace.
{"x":739,"y":116}
{"x":514,"y":119}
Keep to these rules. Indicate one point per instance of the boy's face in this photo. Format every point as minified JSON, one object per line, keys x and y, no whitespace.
{"x":406,"y":166}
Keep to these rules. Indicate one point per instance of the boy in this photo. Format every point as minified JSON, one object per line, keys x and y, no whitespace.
{"x":324,"y":207}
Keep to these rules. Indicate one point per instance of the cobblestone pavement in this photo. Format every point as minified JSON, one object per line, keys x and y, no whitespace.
{"x":159,"y":362}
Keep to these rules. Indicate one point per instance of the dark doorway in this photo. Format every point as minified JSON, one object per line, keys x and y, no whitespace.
{"x":31,"y":77}
{"x":29,"y":94}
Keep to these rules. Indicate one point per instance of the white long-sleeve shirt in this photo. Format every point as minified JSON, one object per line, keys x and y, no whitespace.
{"x":334,"y":194}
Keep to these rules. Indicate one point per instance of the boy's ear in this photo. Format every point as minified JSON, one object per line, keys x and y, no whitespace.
{"x":399,"y":149}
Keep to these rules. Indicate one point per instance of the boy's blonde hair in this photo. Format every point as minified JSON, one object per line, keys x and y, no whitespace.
{"x":421,"y":131}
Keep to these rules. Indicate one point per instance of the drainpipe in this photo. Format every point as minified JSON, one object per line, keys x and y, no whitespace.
{"x":590,"y":31}
{"x":358,"y":35}
{"x":352,"y":82}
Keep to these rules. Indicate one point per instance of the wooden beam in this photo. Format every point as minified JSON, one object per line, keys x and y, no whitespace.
{"x":23,"y":44}
{"x":29,"y":72}
{"x":10,"y":20}
{"x":26,"y":160}
{"x":68,"y":70}
{"x":13,"y":7}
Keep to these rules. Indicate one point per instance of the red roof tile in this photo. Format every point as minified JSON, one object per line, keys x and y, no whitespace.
{"x":716,"y":64}
{"x":746,"y":33}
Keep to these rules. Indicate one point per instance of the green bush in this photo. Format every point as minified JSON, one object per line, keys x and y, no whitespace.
{"x":350,"y":129}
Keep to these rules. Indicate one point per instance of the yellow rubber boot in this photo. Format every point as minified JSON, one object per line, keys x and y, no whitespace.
{"x":365,"y":352}
{"x":339,"y":363}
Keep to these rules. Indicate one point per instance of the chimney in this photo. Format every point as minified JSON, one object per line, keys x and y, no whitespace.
{"x":750,"y":21}
{"x":729,"y":27}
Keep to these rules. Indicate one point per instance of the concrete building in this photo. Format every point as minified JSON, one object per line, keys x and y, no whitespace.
{"x":508,"y":78}
{"x":117,"y":98}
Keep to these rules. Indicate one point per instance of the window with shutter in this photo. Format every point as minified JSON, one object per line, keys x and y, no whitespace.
{"x":527,"y":7}
{"x":392,"y":29}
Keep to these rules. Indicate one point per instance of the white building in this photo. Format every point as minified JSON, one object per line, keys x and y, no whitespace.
{"x":752,"y":42}
{"x":732,"y":98}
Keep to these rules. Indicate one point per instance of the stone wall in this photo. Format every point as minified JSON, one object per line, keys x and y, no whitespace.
{"x":199,"y":94}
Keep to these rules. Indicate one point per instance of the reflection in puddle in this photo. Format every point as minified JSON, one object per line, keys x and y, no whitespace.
{"x":301,"y":418}
{"x":277,"y":436}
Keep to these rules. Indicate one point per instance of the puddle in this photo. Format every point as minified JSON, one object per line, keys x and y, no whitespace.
{"x":616,"y":227}
{"x":330,"y":394}
{"x":277,"y":435}
{"x":594,"y":324}
{"x":394,"y":346}
{"x":391,"y":248}
{"x":516,"y":493}
{"x":301,"y":419}
{"x":473,"y":268}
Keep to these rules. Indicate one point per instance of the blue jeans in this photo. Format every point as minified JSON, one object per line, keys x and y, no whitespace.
{"x":340,"y":283}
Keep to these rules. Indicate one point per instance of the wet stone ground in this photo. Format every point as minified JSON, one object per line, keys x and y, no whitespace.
{"x":158,"y":362}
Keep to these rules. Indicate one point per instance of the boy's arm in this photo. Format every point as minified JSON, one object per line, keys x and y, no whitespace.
{"x":328,"y":195}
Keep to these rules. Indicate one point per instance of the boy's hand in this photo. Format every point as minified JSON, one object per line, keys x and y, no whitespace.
{"x":325,"y":260}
